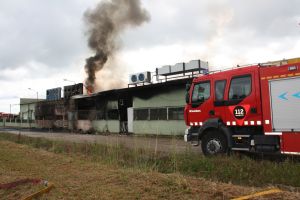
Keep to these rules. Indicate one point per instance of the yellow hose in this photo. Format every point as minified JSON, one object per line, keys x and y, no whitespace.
{"x":258,"y":194}
{"x":41,"y":192}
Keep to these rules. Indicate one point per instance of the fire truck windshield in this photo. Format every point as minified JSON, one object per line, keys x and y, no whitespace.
{"x":201,"y":92}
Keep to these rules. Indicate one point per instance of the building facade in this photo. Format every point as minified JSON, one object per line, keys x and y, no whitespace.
{"x":27,"y":108}
{"x":155,"y":109}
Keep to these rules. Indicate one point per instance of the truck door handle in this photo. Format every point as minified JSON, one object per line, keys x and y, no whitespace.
{"x":253,"y":110}
{"x":212,"y":112}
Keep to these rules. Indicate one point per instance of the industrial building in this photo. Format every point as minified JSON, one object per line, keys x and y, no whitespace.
{"x":26,"y":117}
{"x":153,"y":103}
{"x":149,"y":109}
{"x":147,"y":106}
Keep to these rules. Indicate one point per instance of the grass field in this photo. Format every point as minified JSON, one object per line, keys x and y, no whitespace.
{"x":91,"y":171}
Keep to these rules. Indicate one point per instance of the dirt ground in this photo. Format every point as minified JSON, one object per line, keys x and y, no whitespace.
{"x":75,"y":177}
{"x":152,"y":143}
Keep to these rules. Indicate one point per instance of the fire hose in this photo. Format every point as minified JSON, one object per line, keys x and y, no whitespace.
{"x":48,"y":186}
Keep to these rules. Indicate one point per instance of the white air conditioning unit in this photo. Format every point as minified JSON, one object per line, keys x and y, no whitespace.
{"x":196,"y":65}
{"x":142,"y":77}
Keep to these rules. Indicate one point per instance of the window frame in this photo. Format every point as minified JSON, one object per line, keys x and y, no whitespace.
{"x":224,"y":90}
{"x":158,"y":110}
{"x":207,"y":81}
{"x":176,"y":108}
{"x":137,"y":110}
{"x":240,"y":76}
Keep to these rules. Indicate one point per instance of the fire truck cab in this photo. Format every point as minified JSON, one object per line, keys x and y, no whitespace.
{"x":253,"y":108}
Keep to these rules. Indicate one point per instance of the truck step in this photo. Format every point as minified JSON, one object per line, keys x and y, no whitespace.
{"x":241,"y":136}
{"x":195,"y":143}
{"x":240,"y":149}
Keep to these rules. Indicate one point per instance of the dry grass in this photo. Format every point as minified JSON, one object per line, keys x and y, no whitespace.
{"x":76,"y":177}
{"x":236,"y":169}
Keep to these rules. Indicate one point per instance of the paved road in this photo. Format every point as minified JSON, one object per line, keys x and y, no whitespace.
{"x":152,"y":143}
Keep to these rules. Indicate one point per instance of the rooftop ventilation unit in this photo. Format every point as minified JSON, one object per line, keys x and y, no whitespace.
{"x":164,"y":70}
{"x":142,"y":77}
{"x":177,"y":68}
{"x":181,"y":68}
{"x":196,"y":65}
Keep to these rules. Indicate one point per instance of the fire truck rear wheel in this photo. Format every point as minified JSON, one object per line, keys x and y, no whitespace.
{"x":214,"y":143}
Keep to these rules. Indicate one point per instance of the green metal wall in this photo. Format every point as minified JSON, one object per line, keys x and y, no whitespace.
{"x":170,"y":127}
{"x":103,"y":126}
{"x":174,"y":97}
{"x":171,"y":98}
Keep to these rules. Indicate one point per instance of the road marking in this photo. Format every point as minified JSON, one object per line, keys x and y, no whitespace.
{"x":258,"y":194}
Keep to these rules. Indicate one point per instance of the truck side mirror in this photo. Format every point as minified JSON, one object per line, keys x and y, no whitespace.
{"x":187,"y":97}
{"x":187,"y":87}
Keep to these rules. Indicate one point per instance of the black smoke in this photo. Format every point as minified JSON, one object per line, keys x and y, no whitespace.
{"x":105,"y":25}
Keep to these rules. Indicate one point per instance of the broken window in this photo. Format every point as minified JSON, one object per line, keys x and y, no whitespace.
{"x":113,"y":114}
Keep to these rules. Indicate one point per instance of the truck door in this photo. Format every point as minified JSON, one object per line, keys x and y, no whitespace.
{"x":243,"y":108}
{"x":219,"y":98}
{"x":201,"y":103}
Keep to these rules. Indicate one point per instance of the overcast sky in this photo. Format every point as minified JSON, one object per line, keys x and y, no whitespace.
{"x":43,"y":42}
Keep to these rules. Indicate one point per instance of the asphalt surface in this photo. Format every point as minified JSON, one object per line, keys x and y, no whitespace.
{"x":160,"y":144}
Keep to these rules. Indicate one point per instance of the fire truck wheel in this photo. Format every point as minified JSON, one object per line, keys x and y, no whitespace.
{"x":213,"y":143}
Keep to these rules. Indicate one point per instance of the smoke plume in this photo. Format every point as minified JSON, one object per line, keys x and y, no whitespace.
{"x":105,"y":25}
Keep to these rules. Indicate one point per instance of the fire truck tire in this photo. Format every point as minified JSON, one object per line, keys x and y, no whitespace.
{"x":214,"y":143}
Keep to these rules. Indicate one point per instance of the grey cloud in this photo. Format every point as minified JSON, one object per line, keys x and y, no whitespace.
{"x":52,"y":32}
{"x":8,"y":97}
{"x":47,"y":32}
{"x":269,"y":19}
{"x":199,"y":22}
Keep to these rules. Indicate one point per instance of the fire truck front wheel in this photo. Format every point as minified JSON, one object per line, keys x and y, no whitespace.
{"x":213,"y":143}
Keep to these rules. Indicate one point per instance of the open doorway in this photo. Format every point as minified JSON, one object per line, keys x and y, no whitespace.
{"x":124,"y":102}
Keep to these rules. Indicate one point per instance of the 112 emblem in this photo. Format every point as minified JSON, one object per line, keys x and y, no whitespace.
{"x":239,"y":112}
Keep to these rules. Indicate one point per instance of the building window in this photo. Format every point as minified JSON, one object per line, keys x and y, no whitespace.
{"x":113,"y":114}
{"x":240,"y":87}
{"x":83,"y":114}
{"x":100,"y":115}
{"x":176,"y":113}
{"x":141,"y":114}
{"x":219,"y":90}
{"x":158,"y":114}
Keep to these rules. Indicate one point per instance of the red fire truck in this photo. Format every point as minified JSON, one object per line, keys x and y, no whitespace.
{"x":252,"y":108}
